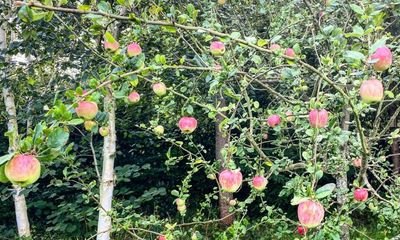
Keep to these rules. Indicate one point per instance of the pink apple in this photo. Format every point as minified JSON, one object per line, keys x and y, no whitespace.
{"x":187,"y":124}
{"x":22,"y":169}
{"x":112,"y":47}
{"x":318,"y":119}
{"x":159,"y":89}
{"x":87,"y":110}
{"x":230,"y":180}
{"x":273,"y":120}
{"x":274,"y":47}
{"x":259,"y":182}
{"x":290,"y":53}
{"x":371,"y":91}
{"x":383,"y":55}
{"x":217,"y":48}
{"x":133,"y":50}
{"x":134,"y":97}
{"x":310,"y":213}
{"x":361,"y":194}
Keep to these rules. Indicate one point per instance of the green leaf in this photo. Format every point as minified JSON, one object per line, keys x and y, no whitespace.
{"x":256,"y":59}
{"x":84,"y":7}
{"x":189,"y":109}
{"x":354,"y":55}
{"x":357,"y":9}
{"x":57,"y":138}
{"x":5,"y":158}
{"x":261,"y":42}
{"x":377,"y":44}
{"x":325,"y":190}
{"x":297,"y":200}
{"x":109,"y":37}
{"x":169,"y":29}
{"x":390,"y":94}
{"x":235,"y":35}
{"x":38,"y":132}
{"x":75,"y":121}
{"x":104,"y":7}
{"x":175,"y":193}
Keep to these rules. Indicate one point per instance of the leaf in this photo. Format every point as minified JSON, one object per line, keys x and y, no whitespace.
{"x":57,"y":138}
{"x":75,"y":121}
{"x":390,"y":94}
{"x":104,"y":7}
{"x":354,"y":55}
{"x":325,"y":190}
{"x":5,"y":158}
{"x":357,"y":9}
{"x":189,"y":109}
{"x":297,"y":200}
{"x":235,"y":35}
{"x":256,"y":59}
{"x":109,"y":37}
{"x":84,"y":7}
{"x":38,"y":132}
{"x":175,"y":193}
{"x":377,"y":44}
{"x":261,"y":42}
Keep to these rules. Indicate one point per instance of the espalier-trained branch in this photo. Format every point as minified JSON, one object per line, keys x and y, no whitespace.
{"x":138,"y":20}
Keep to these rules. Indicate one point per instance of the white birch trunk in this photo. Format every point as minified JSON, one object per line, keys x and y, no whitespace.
{"x":107,"y":177}
{"x":21,"y":213}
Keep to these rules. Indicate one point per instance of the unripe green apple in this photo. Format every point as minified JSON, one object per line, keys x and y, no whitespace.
{"x":159,"y":130}
{"x":104,"y":131}
{"x":89,"y":125}
{"x":3,"y":177}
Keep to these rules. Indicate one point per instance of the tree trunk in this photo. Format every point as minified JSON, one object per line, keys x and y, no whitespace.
{"x":341,"y":180}
{"x":395,"y":151}
{"x":104,"y":225}
{"x":220,"y":142}
{"x":107,"y":177}
{"x":21,"y":213}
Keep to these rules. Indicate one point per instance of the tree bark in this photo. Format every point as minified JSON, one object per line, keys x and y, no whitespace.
{"x":341,"y":180}
{"x":21,"y":213}
{"x":107,"y":177}
{"x":104,"y":225}
{"x":395,"y":151}
{"x":220,"y":142}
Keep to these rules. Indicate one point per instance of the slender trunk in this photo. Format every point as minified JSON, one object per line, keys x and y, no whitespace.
{"x":107,"y":177}
{"x":395,"y":151}
{"x":104,"y":225}
{"x":341,"y":180}
{"x":21,"y":213}
{"x":220,"y":142}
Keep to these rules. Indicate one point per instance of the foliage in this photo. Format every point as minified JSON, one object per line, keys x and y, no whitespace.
{"x":332,"y":40}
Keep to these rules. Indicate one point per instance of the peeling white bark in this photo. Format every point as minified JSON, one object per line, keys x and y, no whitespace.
{"x":107,"y":177}
{"x":21,"y":213}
